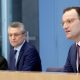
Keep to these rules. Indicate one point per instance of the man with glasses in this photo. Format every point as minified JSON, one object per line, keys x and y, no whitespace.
{"x":23,"y":56}
{"x":71,"y":26}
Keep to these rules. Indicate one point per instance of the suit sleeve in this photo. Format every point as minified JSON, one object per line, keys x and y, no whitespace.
{"x":31,"y":60}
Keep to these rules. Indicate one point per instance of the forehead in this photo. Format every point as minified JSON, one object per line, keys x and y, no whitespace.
{"x":14,"y":30}
{"x":70,"y":14}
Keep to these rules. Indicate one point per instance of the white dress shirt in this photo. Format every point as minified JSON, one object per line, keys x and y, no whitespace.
{"x":77,"y":64}
{"x":18,"y":51}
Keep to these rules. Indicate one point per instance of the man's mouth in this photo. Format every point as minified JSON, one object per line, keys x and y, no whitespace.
{"x":67,"y":31}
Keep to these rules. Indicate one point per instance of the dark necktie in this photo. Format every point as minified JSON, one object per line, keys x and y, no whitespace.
{"x":78,"y":53}
{"x":13,"y":60}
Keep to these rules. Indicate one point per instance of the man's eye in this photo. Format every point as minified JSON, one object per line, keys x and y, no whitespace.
{"x":69,"y":21}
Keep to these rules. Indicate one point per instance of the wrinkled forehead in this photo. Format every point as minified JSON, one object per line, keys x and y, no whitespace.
{"x":70,"y":14}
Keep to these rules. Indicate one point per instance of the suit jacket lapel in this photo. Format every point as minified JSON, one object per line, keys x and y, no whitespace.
{"x":74,"y":57}
{"x":11,"y":59}
{"x":20,"y":54}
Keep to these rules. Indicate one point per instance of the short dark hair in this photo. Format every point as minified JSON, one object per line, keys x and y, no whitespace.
{"x":3,"y":63}
{"x":70,"y":8}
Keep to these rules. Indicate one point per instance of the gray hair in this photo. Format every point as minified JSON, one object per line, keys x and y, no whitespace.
{"x":18,"y":25}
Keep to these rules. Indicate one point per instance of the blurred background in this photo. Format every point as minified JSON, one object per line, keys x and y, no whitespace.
{"x":42,"y":20}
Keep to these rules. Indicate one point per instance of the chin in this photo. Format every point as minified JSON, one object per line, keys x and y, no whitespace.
{"x":69,"y":37}
{"x":13,"y":45}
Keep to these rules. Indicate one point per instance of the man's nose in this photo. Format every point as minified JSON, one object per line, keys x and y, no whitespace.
{"x":13,"y":37}
{"x":65,"y":25}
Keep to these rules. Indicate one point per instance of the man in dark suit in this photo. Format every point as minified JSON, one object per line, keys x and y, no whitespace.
{"x":71,"y":25}
{"x":26,"y":57}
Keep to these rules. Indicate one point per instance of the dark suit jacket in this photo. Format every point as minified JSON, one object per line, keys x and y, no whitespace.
{"x":28,"y":60}
{"x":70,"y":65}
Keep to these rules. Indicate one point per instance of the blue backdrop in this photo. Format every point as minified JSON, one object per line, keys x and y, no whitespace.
{"x":54,"y":45}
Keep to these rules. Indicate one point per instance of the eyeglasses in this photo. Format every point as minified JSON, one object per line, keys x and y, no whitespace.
{"x":15,"y":34}
{"x":69,"y":21}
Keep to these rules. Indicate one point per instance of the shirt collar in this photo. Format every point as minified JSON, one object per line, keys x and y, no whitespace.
{"x":78,"y":43}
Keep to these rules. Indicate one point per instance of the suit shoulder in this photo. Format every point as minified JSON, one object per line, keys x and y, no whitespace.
{"x":73,"y":46}
{"x":28,"y":46}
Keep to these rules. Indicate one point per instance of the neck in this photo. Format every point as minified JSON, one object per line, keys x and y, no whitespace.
{"x":77,"y":40}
